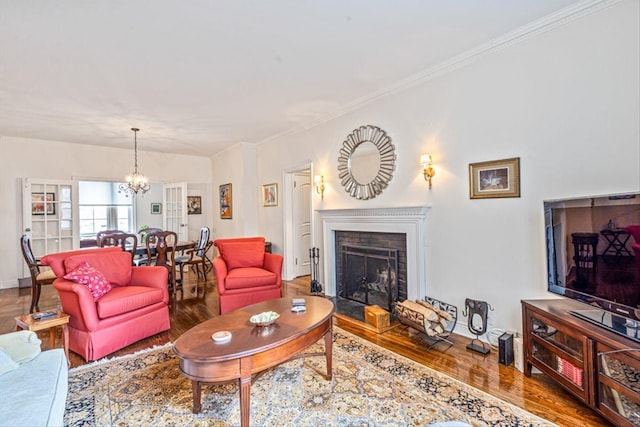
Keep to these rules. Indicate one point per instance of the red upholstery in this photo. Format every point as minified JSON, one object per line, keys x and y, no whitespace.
{"x":636,"y":251}
{"x":245,"y":273}
{"x":134,"y":309}
{"x":634,"y":230}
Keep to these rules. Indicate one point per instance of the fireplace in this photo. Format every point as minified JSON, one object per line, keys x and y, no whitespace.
{"x":409,"y":222}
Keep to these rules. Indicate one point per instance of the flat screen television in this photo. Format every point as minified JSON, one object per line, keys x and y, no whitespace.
{"x":590,"y":258}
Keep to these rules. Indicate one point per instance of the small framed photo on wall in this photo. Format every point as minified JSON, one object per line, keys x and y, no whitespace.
{"x":194,"y":205}
{"x":156,"y":208}
{"x":225,"y":201}
{"x":270,"y":194}
{"x":494,"y":179}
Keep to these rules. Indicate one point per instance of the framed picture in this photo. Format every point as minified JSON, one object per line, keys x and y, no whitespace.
{"x":270,"y":194}
{"x":156,"y":208}
{"x":225,"y":201}
{"x":42,"y":201}
{"x":194,"y":205}
{"x":497,"y":178}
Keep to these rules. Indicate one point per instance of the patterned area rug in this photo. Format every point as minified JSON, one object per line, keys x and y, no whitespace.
{"x":371,"y":387}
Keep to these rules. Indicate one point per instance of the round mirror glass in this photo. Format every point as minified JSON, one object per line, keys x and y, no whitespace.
{"x":364,"y":162}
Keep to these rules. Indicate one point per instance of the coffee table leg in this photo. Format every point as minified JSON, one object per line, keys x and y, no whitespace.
{"x":245,"y":391}
{"x":328,"y":352}
{"x":197,"y":404}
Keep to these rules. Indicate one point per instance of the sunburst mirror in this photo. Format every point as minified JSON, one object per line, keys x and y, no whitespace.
{"x":366,"y":162}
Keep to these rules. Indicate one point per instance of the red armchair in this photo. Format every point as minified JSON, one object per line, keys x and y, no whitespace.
{"x":136,"y":307}
{"x":245,"y":273}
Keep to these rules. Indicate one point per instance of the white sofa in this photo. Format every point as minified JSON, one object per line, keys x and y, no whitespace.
{"x":34,"y":392}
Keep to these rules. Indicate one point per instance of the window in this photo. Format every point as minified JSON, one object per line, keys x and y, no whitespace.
{"x":102,"y":207}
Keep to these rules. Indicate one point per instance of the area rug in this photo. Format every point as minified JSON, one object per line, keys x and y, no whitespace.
{"x":371,"y":386}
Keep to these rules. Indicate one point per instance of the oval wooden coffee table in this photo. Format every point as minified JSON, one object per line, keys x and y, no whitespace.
{"x":252,"y":349}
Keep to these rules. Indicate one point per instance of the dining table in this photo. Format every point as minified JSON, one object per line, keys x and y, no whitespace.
{"x":180,"y":246}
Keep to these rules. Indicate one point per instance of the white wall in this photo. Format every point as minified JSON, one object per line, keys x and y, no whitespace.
{"x":21,"y":158}
{"x":566,"y":102}
{"x":236,"y":166}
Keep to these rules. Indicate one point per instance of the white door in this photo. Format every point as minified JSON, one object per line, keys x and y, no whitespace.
{"x":301,"y":222}
{"x":174,"y":199}
{"x":48,"y":208}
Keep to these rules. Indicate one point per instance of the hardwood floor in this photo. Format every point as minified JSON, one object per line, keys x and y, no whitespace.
{"x":538,"y":394}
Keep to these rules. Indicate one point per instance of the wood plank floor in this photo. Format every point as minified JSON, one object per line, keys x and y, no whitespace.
{"x":537,"y":394}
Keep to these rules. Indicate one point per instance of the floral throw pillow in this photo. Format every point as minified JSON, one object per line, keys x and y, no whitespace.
{"x":91,"y":278}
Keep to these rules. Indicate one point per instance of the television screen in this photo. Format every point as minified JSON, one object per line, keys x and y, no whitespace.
{"x":590,"y":254}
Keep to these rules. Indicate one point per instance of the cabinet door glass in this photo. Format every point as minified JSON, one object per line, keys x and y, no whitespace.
{"x":568,"y":343}
{"x":619,"y":375}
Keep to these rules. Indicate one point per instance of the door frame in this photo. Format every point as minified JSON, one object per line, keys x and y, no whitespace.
{"x":287,"y":217}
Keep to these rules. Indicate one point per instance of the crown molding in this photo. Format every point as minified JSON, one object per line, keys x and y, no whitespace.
{"x":526,"y":32}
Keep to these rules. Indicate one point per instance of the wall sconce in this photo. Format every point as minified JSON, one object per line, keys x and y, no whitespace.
{"x":319,"y":180}
{"x":427,"y":168}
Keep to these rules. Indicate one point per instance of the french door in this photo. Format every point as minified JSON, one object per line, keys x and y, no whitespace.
{"x":48,"y":215}
{"x":175,"y":212}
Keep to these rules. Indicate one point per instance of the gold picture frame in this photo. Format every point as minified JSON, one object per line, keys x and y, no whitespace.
{"x":270,"y":194}
{"x":494,"y":179}
{"x":226,"y":202}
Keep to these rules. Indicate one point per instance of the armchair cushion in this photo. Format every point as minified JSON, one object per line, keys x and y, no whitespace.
{"x":127,"y":298}
{"x":239,"y":253}
{"x":249,"y":277}
{"x":56,"y":261}
{"x":115,"y":265}
{"x":91,"y":278}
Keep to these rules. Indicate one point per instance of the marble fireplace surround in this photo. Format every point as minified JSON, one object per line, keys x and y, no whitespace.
{"x":408,"y":220}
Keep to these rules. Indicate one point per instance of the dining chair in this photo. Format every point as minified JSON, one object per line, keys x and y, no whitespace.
{"x":161,"y":250}
{"x":128,"y":243}
{"x":38,"y":278}
{"x":196,"y":256}
{"x":102,"y":234}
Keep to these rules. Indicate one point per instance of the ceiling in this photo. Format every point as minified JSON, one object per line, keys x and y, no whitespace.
{"x":197,"y":76}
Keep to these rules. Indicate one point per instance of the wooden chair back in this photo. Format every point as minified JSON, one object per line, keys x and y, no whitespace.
{"x":38,"y":278}
{"x":102,"y":234}
{"x":161,"y":248}
{"x":128,"y":242}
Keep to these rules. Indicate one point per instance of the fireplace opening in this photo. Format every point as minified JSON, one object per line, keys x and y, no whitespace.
{"x":371,"y":269}
{"x":369,"y":276}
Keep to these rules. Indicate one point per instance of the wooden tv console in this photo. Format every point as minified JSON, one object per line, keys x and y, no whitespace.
{"x":598,"y":366}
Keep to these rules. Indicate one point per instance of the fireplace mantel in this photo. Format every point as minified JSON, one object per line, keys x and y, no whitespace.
{"x":408,"y":220}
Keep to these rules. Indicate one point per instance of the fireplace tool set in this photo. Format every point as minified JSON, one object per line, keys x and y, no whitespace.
{"x":316,"y":286}
{"x":476,"y":313}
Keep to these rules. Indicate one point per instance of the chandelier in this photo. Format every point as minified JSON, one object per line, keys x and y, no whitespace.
{"x":136,"y":181}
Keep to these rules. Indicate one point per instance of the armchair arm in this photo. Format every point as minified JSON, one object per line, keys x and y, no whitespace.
{"x":273,"y":263}
{"x":220,"y":267}
{"x":152,"y":277}
{"x":77,"y":301}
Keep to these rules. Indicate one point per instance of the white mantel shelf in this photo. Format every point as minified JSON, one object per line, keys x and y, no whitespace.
{"x":408,"y":220}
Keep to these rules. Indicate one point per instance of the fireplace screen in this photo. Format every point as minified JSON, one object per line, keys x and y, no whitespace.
{"x":369,"y":276}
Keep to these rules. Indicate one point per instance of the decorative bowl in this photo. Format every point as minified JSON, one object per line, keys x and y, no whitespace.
{"x":264,"y":319}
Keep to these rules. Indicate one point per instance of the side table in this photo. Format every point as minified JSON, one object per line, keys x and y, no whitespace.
{"x":27,"y":322}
